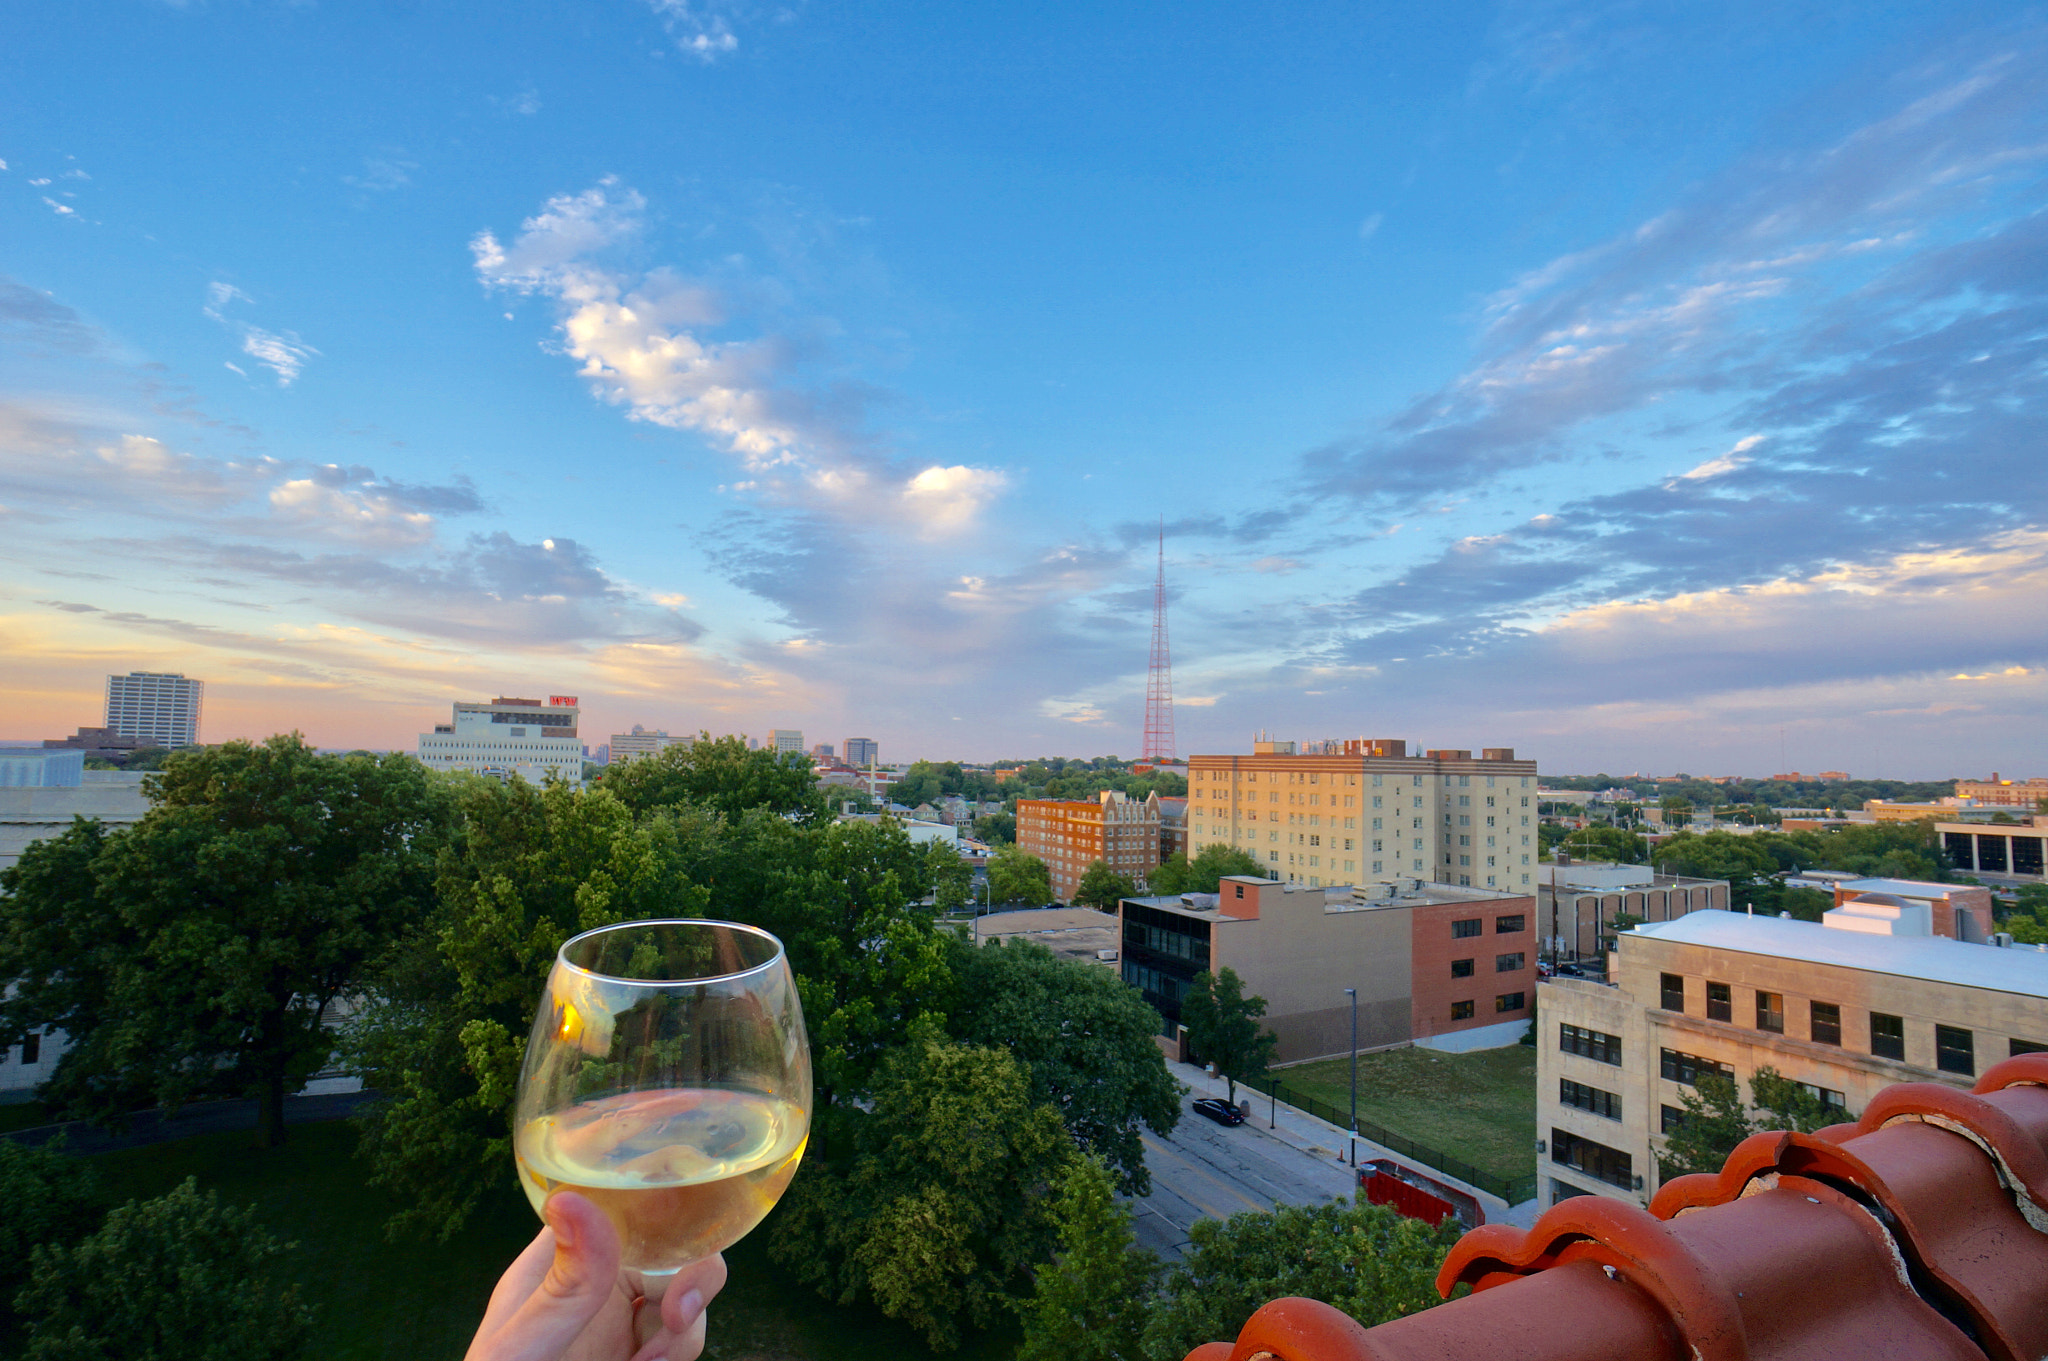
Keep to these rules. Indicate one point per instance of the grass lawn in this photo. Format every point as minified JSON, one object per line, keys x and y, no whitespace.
{"x":421,"y":1299}
{"x":1479,"y":1106}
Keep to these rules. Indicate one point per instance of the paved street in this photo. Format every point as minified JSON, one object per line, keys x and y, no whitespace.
{"x":1205,"y":1170}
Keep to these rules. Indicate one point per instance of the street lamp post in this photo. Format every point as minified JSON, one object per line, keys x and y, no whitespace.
{"x":984,"y":908}
{"x":1352,"y":993}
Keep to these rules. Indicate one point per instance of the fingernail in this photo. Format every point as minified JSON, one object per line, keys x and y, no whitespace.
{"x":690,"y":1306}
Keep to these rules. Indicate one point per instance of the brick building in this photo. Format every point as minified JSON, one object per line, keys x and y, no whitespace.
{"x":1997,"y":793}
{"x":1443,"y":966}
{"x":1069,"y":835}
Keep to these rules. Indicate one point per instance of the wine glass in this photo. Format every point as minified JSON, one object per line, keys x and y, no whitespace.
{"x":669,"y":1080}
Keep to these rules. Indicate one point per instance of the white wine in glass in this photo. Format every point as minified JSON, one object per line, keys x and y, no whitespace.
{"x":669,"y":1080}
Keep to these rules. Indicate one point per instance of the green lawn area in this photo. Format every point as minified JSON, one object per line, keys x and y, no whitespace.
{"x":1479,"y":1106}
{"x":412,"y":1299}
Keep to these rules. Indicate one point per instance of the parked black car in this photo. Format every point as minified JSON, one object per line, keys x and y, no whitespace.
{"x":1219,"y":1110}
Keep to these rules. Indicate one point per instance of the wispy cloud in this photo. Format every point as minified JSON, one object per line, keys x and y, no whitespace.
{"x":700,"y":28}
{"x":283,"y":353}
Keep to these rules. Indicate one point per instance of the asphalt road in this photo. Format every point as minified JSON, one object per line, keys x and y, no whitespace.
{"x":1206,"y":1170}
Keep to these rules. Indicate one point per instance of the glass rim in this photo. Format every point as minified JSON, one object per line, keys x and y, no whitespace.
{"x":563,"y":961}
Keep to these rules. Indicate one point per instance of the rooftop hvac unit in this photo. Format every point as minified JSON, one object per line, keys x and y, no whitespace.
{"x":2002,"y":939}
{"x":1108,"y":956}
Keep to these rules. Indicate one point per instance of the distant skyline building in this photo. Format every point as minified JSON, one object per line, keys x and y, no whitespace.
{"x":156,"y":708}
{"x":823,"y":752}
{"x":862,"y":752}
{"x":786,"y":739}
{"x":628,"y":746}
{"x":507,"y":737}
{"x":1069,"y":835}
{"x":1997,"y":793}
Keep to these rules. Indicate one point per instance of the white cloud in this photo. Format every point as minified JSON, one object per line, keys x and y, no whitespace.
{"x":944,"y":500}
{"x":1723,"y":463}
{"x":283,"y":353}
{"x":349,"y":513}
{"x":698,"y":28}
{"x":62,"y":210}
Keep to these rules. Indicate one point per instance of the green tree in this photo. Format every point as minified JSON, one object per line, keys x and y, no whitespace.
{"x":720,"y":774}
{"x":1169,"y":878}
{"x":181,"y":1276}
{"x":1102,"y":887}
{"x":1017,"y":876}
{"x":1716,"y":1120}
{"x":443,"y":1031}
{"x":46,"y":1197}
{"x":942,"y":1202}
{"x":1677,"y":808}
{"x":1214,"y":861}
{"x":1086,"y":1040}
{"x":1091,"y":1302}
{"x":1366,"y":1260}
{"x":950,"y":876}
{"x":1606,"y":843}
{"x":997,"y":829}
{"x":1805,"y":904}
{"x":1223,"y":1026}
{"x":251,"y":896}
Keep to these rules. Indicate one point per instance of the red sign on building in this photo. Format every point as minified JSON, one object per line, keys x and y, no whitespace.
{"x":565,"y":701}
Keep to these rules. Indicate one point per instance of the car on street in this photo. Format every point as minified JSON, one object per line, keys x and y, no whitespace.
{"x":1219,"y":1110}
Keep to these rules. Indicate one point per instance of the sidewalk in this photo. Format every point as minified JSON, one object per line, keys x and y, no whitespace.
{"x":1324,"y":1140}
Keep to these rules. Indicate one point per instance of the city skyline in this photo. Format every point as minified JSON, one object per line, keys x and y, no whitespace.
{"x":1640,"y":388}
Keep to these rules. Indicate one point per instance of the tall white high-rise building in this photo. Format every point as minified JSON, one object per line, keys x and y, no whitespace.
{"x":522,"y":737}
{"x":627,"y":746}
{"x":154,"y":707}
{"x":786,"y":739}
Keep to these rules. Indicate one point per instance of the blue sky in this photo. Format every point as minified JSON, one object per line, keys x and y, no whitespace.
{"x":1643,"y":386}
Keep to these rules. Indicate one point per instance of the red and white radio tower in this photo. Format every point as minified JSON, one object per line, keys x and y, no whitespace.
{"x":1159,"y":743}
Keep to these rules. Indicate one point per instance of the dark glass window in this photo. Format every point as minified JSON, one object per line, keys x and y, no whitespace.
{"x":1590,"y":1044}
{"x":1507,"y":963}
{"x":1461,"y":968}
{"x":1720,"y":1002}
{"x":1887,"y":1036}
{"x":1670,"y":1119}
{"x":1472,"y":926}
{"x":1585,"y":1098}
{"x":32,"y":1047}
{"x":1507,"y":926}
{"x":1461,"y":1011}
{"x":1770,"y":1012}
{"x":1610,"y":1165}
{"x":1991,"y":853}
{"x":2018,"y":1047}
{"x":1955,"y":1051}
{"x":2026,"y":854}
{"x":1827,"y":1023}
{"x":1673,"y":991}
{"x":1509,"y":1001}
{"x":1678,"y":1066}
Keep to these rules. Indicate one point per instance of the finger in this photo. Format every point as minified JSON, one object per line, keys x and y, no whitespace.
{"x":694,"y":1287}
{"x":582,"y":1275}
{"x":520,"y":1280}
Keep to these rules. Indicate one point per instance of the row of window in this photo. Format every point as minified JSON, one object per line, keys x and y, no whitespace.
{"x":1585,"y":1098}
{"x":1476,"y":926}
{"x":1598,"y":1161}
{"x":1462,"y":968}
{"x":1590,"y":1044}
{"x":1507,"y":1001}
{"x":1954,"y":1047}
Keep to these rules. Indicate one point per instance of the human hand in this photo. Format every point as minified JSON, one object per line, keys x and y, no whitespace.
{"x":565,"y":1299}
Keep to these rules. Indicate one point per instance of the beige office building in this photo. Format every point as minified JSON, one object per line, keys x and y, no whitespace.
{"x":1847,"y":1006}
{"x":1361,"y":811}
{"x":630,"y":746}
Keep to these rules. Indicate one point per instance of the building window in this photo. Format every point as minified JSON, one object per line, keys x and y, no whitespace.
{"x":1610,"y":1165}
{"x":1509,"y":1001}
{"x":1590,"y":1044}
{"x":1461,"y":1011}
{"x":1471,"y":927}
{"x":1719,"y":1003}
{"x":1827,"y":1023}
{"x":1507,"y":963}
{"x":32,"y":1047}
{"x":1670,"y":1119}
{"x":1461,"y":968}
{"x":1507,"y":926}
{"x":1887,"y":1036}
{"x":1955,"y":1051}
{"x":1672,"y":993}
{"x":1586,"y":1098}
{"x":1770,"y":1012}
{"x":2015,"y":1048}
{"x":1676,"y":1066}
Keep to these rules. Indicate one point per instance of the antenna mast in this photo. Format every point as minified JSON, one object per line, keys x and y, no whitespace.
{"x":1159,"y":741}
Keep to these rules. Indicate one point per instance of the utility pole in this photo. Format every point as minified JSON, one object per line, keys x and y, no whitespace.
{"x":1352,"y":993}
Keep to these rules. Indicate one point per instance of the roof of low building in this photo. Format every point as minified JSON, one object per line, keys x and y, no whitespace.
{"x":1938,"y":959}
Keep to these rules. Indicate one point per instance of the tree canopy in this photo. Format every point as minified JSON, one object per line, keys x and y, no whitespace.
{"x":1103,"y":888}
{"x":252,"y":895}
{"x":1715,"y":1119}
{"x":1204,"y":872}
{"x":1223,"y":1026}
{"x":1091,"y":1302}
{"x":1085,"y":1039}
{"x":1017,"y":876}
{"x":722,"y":775}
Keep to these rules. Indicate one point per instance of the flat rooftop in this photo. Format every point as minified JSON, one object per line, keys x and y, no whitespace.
{"x":1902,"y":888}
{"x":2021,"y":970}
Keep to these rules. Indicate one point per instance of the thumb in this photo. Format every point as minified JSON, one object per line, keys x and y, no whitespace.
{"x":579,"y":1281}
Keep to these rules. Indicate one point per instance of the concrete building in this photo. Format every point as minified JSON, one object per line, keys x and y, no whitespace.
{"x":157,"y":709}
{"x":861,"y":752}
{"x":1369,"y":811}
{"x":1865,"y":998}
{"x":1997,"y":793}
{"x":1954,"y":911}
{"x":507,"y":737}
{"x":1069,"y":835}
{"x":1173,"y":830}
{"x":1577,"y":901}
{"x":1442,"y":966}
{"x":35,"y":812}
{"x":627,"y":746}
{"x":37,"y":767}
{"x":103,"y":742}
{"x":786,"y":739}
{"x":822,"y":754}
{"x":2009,"y":854}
